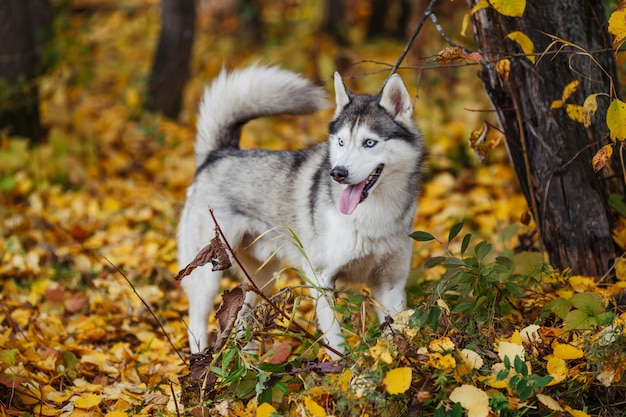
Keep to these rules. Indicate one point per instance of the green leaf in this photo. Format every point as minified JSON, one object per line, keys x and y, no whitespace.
{"x":482,"y":249}
{"x":525,"y":393}
{"x":280,"y":386}
{"x":261,"y":391}
{"x":617,"y":203}
{"x":433,"y":317}
{"x":421,"y":236}
{"x":455,"y":231}
{"x":466,"y":242}
{"x":589,"y":303}
{"x":479,"y":302}
{"x":418,"y":318}
{"x":507,"y":362}
{"x":234,"y":376}
{"x":505,"y":262}
{"x":542,"y":381}
{"x":605,"y":318}
{"x":461,"y":307}
{"x":7,"y":183}
{"x":452,"y":262}
{"x":502,"y":375}
{"x":270,"y":367}
{"x":520,"y":366}
{"x":245,"y":387}
{"x":70,"y":360}
{"x":9,"y":356}
{"x":559,"y":307}
{"x":579,"y":320}
{"x":434,"y":261}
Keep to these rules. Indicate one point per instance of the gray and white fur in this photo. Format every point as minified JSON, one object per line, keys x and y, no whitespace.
{"x":349,"y":200}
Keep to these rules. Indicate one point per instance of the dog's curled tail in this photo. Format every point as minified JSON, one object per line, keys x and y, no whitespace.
{"x":237,"y":97}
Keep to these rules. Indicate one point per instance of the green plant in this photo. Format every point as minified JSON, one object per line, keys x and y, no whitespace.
{"x":583,"y":311}
{"x":479,"y":286}
{"x":523,"y":383}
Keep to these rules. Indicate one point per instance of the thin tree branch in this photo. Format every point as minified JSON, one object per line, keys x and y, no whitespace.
{"x":445,"y":36}
{"x":427,"y":13}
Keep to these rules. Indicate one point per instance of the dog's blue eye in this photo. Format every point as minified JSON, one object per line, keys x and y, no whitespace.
{"x":340,"y":141}
{"x":370,"y":143}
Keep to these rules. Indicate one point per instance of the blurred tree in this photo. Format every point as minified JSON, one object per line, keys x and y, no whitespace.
{"x":253,"y":26}
{"x":378,"y":25}
{"x":550,"y":152}
{"x":334,"y":22}
{"x":26,"y":26}
{"x":170,"y":68}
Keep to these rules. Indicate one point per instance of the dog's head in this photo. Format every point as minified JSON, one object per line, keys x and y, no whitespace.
{"x":371,"y":137}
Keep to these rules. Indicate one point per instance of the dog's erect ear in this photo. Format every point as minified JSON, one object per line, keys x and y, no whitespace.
{"x":396,"y":100}
{"x":342,"y":95}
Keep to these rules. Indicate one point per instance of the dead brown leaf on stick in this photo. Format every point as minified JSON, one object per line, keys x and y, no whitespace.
{"x":214,"y":252}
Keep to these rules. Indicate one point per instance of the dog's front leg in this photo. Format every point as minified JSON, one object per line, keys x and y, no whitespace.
{"x":327,"y":320}
{"x":201,"y":287}
{"x":391,"y":297}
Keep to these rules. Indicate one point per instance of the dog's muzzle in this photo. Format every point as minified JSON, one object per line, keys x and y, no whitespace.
{"x":371,"y":180}
{"x":339,"y":174}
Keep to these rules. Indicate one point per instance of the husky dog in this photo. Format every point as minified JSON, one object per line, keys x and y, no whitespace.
{"x":350,"y":200}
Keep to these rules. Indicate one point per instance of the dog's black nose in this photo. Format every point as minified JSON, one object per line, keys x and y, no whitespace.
{"x":339,"y":174}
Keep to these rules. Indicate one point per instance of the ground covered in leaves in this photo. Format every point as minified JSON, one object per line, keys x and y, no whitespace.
{"x":92,"y":321}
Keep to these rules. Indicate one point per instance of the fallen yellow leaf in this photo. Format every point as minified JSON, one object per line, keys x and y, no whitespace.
{"x":582,"y":283}
{"x":530,"y":334}
{"x":557,"y":368}
{"x":510,"y":350}
{"x":576,"y":413}
{"x":265,"y":410}
{"x":442,"y":344}
{"x":606,"y":377}
{"x":473,"y":399}
{"x":549,"y":402}
{"x":314,"y":408}
{"x":620,"y":269}
{"x":90,"y":401}
{"x":117,"y":414}
{"x":398,"y":381}
{"x":44,"y":410}
{"x":567,"y":352}
{"x":382,"y":352}
{"x":472,"y":358}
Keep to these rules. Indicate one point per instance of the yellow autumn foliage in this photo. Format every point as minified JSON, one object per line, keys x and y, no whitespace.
{"x":398,"y":380}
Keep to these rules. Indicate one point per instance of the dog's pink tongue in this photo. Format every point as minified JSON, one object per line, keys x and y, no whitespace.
{"x":350,"y":198}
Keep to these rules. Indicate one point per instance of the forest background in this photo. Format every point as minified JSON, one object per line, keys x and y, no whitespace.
{"x":93,"y":322}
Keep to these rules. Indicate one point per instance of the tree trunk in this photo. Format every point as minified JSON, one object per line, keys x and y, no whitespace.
{"x":334,"y":22}
{"x":24,"y":29}
{"x":380,"y":10}
{"x":171,"y":63}
{"x":550,"y":152}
